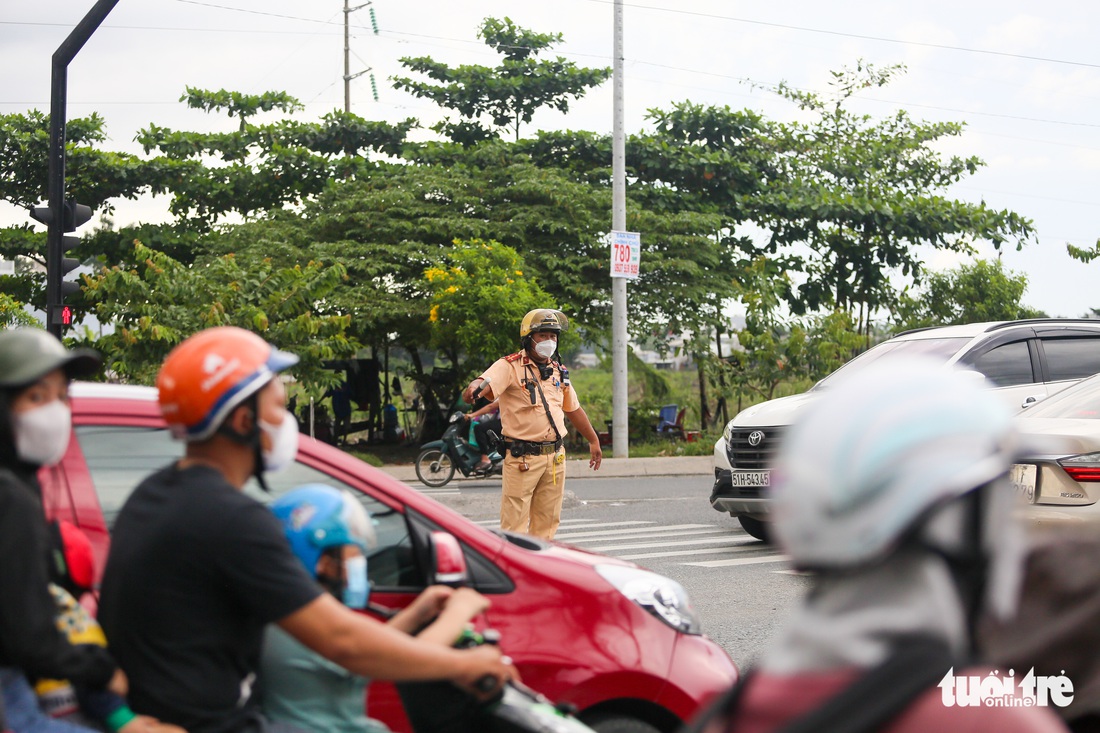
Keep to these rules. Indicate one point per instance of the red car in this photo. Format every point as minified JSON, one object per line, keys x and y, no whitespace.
{"x":620,"y":643}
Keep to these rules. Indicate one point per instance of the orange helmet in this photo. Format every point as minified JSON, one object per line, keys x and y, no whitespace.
{"x":212,"y":372}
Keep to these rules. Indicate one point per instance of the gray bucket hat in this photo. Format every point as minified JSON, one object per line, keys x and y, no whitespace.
{"x":28,"y":354}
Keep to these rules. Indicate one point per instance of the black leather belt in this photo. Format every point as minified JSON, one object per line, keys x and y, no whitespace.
{"x":531,"y":448}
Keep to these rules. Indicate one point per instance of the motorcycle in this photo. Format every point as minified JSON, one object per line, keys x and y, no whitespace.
{"x":439,"y":459}
{"x":440,"y":707}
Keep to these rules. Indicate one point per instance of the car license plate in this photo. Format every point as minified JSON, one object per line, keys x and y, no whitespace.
{"x":751,"y":478}
{"x":1025,"y":478}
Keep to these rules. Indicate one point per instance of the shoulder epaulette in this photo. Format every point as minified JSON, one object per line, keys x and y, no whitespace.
{"x":514,"y":357}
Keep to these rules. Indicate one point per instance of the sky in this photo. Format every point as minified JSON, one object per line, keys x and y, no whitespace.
{"x":1023,"y":76}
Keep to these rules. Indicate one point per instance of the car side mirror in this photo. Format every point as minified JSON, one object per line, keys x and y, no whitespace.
{"x":448,"y":561}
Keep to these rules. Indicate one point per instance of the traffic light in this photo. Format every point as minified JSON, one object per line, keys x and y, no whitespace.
{"x":58,"y":312}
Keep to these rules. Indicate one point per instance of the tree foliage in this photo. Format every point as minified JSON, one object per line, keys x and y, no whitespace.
{"x":492,"y":100}
{"x":157,"y":303}
{"x":861,"y":194}
{"x":969,"y":293}
{"x":816,"y":218}
{"x":478,"y":294}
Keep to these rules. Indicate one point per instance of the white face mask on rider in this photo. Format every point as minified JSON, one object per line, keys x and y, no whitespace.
{"x":284,"y":443}
{"x":42,"y":434}
{"x":546,"y":349}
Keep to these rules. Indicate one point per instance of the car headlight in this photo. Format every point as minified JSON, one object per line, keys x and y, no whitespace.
{"x":727,"y":433}
{"x":663,"y":597}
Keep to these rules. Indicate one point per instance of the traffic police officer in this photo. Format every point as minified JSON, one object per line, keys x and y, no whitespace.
{"x":535,"y":397}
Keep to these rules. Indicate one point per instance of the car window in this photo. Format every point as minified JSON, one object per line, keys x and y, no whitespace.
{"x":392,"y":564}
{"x":120,"y":457}
{"x":1072,"y":358}
{"x":937,"y":349}
{"x":1006,"y":365}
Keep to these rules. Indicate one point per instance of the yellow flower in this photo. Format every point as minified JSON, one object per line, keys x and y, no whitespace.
{"x":452,"y":289}
{"x":434,"y":315}
{"x":519,"y":272}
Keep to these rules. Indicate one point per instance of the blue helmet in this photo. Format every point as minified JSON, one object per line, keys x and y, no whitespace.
{"x":317,"y":517}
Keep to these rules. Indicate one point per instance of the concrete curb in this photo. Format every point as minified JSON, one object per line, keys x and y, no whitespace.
{"x":611,"y":467}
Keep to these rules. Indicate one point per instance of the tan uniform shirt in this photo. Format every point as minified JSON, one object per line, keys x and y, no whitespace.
{"x":521,"y":420}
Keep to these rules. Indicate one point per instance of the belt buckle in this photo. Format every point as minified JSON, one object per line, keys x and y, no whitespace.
{"x":549,"y":448}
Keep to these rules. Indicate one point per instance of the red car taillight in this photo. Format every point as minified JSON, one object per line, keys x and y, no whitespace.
{"x":1082,"y":473}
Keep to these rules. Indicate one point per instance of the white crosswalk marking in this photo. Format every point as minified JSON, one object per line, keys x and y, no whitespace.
{"x":680,"y":553}
{"x":570,"y":536}
{"x":738,"y":561}
{"x":728,"y":540}
{"x":684,"y":544}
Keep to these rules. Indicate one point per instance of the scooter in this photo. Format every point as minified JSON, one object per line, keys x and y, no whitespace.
{"x":439,"y":459}
{"x":440,"y":707}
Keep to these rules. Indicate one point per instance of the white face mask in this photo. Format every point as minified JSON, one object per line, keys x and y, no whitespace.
{"x":284,"y":443}
{"x":546,"y":349}
{"x":42,"y":434}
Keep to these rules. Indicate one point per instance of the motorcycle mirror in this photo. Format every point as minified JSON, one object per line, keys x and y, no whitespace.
{"x":448,"y":562}
{"x":455,"y":417}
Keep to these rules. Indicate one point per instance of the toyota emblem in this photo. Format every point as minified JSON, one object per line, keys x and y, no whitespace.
{"x":756,"y":437}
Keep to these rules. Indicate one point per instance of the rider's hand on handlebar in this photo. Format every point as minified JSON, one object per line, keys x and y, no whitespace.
{"x":485,"y":664}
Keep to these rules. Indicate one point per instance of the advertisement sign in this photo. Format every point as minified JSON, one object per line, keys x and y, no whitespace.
{"x":626,"y":253}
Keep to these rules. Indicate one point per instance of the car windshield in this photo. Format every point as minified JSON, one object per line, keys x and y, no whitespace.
{"x":937,"y":349}
{"x":1082,"y":400}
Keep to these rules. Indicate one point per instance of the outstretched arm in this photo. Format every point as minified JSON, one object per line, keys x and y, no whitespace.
{"x":580,"y":421}
{"x":461,"y":608}
{"x":371,"y":649}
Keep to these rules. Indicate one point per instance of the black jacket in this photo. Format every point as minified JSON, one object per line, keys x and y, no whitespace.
{"x":29,"y":637}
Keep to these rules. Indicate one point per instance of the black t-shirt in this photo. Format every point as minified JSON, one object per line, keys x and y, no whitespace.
{"x":196,"y":570}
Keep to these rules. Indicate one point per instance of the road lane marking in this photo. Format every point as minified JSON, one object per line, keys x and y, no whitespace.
{"x":684,"y":543}
{"x":681,"y":553}
{"x":738,"y":561}
{"x":634,"y":530}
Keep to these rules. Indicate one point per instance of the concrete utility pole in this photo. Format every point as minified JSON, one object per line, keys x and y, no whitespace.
{"x":620,"y":440}
{"x":348,"y":76}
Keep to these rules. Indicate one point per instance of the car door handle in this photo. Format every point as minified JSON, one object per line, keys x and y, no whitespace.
{"x":1031,"y":400}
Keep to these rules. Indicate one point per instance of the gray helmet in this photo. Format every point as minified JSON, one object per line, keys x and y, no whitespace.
{"x":28,"y":354}
{"x":872,"y":457}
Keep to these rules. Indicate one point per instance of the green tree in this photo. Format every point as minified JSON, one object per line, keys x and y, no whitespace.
{"x":262,"y":167}
{"x":478,"y":293}
{"x":155,"y":305}
{"x":491,"y":100}
{"x":969,"y":293}
{"x":862,"y":194}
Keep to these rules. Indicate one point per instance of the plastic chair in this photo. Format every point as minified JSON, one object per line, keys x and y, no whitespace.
{"x":666,"y":418}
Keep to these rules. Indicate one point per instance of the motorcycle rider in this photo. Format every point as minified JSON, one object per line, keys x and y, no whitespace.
{"x":197,"y":568}
{"x":892,"y":491}
{"x":486,"y":419}
{"x":331,"y":533}
{"x":35,"y":427}
{"x":535,"y":397}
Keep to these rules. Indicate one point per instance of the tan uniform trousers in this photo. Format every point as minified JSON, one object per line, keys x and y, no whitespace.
{"x":531,"y":500}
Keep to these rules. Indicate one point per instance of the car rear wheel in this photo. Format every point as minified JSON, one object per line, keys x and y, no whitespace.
{"x":756,"y":528}
{"x":434,"y":467}
{"x":621,"y":724}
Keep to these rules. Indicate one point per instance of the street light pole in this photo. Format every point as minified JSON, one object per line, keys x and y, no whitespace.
{"x":620,"y":441}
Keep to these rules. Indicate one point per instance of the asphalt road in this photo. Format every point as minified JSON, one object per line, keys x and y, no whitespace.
{"x":742,"y":588}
